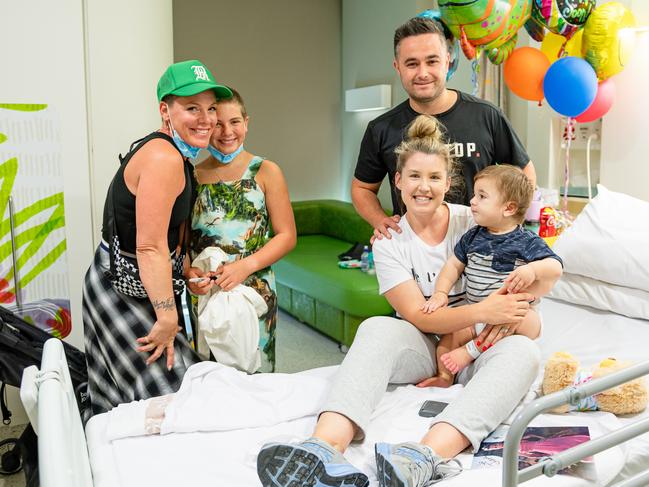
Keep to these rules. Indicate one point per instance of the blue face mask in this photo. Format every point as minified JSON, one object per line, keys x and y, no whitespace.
{"x":185,"y":149}
{"x":224,"y":158}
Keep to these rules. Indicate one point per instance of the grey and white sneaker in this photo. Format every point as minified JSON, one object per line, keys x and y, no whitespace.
{"x":311,"y":463}
{"x":412,"y":465}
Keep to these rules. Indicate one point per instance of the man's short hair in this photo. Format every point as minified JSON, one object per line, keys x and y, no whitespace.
{"x":418,"y":26}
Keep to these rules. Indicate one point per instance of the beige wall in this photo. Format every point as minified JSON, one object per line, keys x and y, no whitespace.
{"x":284,"y":58}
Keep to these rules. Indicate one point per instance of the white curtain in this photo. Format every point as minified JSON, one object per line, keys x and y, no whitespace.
{"x":491,"y":83}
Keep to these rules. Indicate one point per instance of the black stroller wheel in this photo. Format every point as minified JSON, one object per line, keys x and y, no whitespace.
{"x":11,"y":459}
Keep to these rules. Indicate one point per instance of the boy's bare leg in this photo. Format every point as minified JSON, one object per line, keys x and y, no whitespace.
{"x":530,"y":326}
{"x":449,"y":358}
{"x":444,"y":377}
{"x":457,"y":359}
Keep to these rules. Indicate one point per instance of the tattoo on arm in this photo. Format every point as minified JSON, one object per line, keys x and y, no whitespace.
{"x":167,"y":304}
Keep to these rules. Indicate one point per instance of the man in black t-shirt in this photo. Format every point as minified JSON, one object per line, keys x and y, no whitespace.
{"x":479,"y":131}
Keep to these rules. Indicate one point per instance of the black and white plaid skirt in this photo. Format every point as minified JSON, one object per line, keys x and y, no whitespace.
{"x":117,"y":372}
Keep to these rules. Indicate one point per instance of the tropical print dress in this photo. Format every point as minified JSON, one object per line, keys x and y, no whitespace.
{"x":232,"y":215}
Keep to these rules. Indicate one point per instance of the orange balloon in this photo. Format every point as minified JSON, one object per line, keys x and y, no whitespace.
{"x":524,"y":72}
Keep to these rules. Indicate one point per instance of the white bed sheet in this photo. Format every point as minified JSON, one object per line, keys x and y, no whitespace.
{"x":229,"y":458}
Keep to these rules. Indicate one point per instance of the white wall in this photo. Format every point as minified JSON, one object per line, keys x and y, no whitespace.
{"x":625,"y":166}
{"x":45,"y":48}
{"x":367,"y":33}
{"x":114,"y":105}
{"x":130,"y":44}
{"x":43,"y":62}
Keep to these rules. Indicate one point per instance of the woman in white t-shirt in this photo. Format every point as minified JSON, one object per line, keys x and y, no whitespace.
{"x":402,"y":350}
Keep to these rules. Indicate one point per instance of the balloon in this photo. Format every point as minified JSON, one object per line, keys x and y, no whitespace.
{"x":453,"y":44}
{"x":552,"y":44}
{"x":524,"y":72}
{"x":534,"y":29}
{"x":573,"y":46}
{"x":602,"y":103}
{"x":454,"y":47}
{"x":605,"y":46}
{"x":487,"y":24}
{"x":562,"y":17}
{"x":570,"y":86}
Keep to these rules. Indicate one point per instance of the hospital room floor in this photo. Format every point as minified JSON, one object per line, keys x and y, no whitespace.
{"x":299,"y":347}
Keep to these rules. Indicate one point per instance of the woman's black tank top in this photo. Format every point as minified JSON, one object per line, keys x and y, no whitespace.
{"x":124,"y":201}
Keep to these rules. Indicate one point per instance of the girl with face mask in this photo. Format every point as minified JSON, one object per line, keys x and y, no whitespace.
{"x":239,"y":196}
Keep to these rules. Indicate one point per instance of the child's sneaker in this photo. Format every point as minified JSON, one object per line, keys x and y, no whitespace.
{"x":411,"y":465}
{"x":311,"y":463}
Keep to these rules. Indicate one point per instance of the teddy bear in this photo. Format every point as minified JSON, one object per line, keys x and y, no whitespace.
{"x":562,"y":370}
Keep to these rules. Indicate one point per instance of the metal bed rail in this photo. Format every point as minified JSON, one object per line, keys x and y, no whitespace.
{"x":550,"y":466}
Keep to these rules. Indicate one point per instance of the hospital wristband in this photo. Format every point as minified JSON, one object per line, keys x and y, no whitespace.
{"x":472,"y":349}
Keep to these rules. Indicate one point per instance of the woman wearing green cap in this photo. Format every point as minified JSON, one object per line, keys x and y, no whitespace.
{"x":131,"y":292}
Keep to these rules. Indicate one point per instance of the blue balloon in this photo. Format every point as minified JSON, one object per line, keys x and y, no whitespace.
{"x":570,"y":86}
{"x":453,"y":44}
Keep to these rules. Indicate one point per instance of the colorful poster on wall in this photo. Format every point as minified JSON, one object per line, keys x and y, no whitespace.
{"x":33,"y":264}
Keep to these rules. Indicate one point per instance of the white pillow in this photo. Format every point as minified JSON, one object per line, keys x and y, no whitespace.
{"x":585,"y":291}
{"x":609,"y":241}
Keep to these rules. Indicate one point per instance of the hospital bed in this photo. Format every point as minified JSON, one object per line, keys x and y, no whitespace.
{"x":219,"y":446}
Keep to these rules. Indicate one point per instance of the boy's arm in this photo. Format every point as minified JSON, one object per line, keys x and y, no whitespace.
{"x":536,"y":278}
{"x":449,"y":275}
{"x":548,"y":271}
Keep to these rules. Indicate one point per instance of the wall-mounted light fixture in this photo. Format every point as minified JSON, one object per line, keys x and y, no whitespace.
{"x":377,"y":97}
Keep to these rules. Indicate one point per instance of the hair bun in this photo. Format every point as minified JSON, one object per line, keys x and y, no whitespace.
{"x":426,"y":127}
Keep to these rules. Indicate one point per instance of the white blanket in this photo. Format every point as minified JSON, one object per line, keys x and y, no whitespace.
{"x":228,"y":458}
{"x":214,"y":397}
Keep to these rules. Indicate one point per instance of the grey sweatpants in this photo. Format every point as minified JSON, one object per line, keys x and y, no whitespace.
{"x":388,"y":350}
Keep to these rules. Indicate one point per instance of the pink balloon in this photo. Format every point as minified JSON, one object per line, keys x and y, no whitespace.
{"x":601,"y":104}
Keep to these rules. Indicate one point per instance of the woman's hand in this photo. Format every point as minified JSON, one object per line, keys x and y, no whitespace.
{"x":493,"y":334}
{"x":520,"y":278}
{"x":500,"y":307}
{"x":200,"y":287}
{"x":160,"y":339}
{"x":232,"y":274}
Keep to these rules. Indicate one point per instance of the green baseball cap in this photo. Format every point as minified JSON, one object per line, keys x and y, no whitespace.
{"x":189,"y":78}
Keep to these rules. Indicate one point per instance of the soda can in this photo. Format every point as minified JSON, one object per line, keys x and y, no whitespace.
{"x":548,"y":222}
